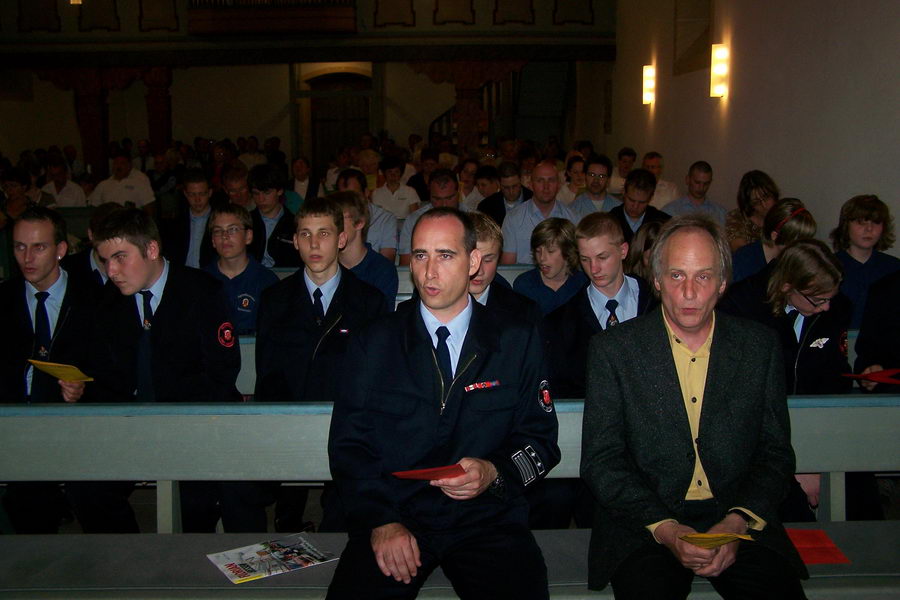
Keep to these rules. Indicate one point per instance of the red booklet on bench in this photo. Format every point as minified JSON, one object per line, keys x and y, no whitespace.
{"x":433,"y":473}
{"x":816,"y":548}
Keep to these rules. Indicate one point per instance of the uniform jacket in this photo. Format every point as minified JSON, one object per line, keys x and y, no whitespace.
{"x":177,"y":240}
{"x":297,"y":358}
{"x":389,"y":418}
{"x":814,"y":364}
{"x":880,"y":330}
{"x":652,"y":215}
{"x":569,"y":329}
{"x":280,"y":244}
{"x":78,"y":266}
{"x":637,"y":452}
{"x":196,"y":357}
{"x":494,"y":205}
{"x":68,"y":343}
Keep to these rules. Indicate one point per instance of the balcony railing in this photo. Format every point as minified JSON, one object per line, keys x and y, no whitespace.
{"x":219,"y":17}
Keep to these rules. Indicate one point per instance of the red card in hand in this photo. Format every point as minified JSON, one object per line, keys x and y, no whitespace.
{"x":433,"y":473}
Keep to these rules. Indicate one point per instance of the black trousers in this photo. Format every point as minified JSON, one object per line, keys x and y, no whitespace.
{"x":240,"y":504}
{"x":653,"y":573}
{"x":102,"y":506}
{"x":497,"y":562}
{"x":34,"y":507}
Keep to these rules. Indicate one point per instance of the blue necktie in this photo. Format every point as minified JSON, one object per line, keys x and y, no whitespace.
{"x":612,"y":320}
{"x":145,"y":354}
{"x":43,"y":387}
{"x":318,"y":307}
{"x":443,"y":354}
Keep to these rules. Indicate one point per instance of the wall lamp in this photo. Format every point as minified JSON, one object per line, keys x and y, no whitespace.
{"x":718,"y":74}
{"x":649,"y":84}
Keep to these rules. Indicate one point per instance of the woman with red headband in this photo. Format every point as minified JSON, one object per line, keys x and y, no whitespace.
{"x":787,"y":221}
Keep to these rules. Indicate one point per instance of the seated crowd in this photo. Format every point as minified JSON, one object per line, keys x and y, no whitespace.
{"x":177,"y":266}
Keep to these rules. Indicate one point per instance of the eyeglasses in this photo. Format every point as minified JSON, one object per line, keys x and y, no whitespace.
{"x":600,"y":176}
{"x":816,"y":302}
{"x":231,"y":230}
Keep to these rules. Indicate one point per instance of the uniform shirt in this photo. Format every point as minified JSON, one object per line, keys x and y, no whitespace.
{"x":97,"y":268}
{"x":692,"y":368}
{"x":859,"y":276}
{"x":627,"y":297}
{"x":134,"y":188}
{"x":521,"y":221}
{"x":406,"y":233}
{"x":470,"y":202}
{"x":665,"y":192}
{"x":684,"y":206}
{"x":269,"y":224}
{"x":70,"y":195}
{"x":198,"y":230}
{"x":530,"y":285}
{"x":584,"y":204}
{"x":382,"y":228}
{"x":798,"y":320}
{"x":53,"y":304}
{"x":397,"y":202}
{"x":301,"y":187}
{"x":458,"y":328}
{"x":328,"y":288}
{"x":380,"y":273}
{"x":243,"y":292}
{"x":635,"y":224}
{"x":483,"y":298}
{"x":157,"y":288}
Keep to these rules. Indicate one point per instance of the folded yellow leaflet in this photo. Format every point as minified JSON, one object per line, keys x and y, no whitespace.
{"x":714,"y":540}
{"x":61,"y":371}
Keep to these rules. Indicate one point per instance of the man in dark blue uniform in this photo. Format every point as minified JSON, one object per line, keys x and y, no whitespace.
{"x":163,"y":335}
{"x":448,"y":382}
{"x":44,"y":315}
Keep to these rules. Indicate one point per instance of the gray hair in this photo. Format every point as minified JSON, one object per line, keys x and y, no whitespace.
{"x":692,"y":222}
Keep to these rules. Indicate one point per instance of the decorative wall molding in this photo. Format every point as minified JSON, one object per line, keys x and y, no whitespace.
{"x":394,"y":12}
{"x":454,"y":11}
{"x":38,"y":15}
{"x":159,"y":15}
{"x":513,"y":11}
{"x":99,"y":15}
{"x":573,"y":11}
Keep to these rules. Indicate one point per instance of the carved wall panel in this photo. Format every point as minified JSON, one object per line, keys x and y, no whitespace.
{"x":394,"y":12}
{"x":513,"y":11}
{"x":38,"y":15}
{"x":573,"y":11}
{"x":158,"y":15}
{"x":454,"y":11}
{"x":99,"y":14}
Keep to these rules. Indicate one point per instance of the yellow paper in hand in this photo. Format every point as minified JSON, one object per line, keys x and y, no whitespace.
{"x":60,"y":371}
{"x":714,"y":540}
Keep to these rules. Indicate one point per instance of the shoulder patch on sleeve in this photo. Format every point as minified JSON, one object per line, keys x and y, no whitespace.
{"x":544,"y":398}
{"x":226,"y":334}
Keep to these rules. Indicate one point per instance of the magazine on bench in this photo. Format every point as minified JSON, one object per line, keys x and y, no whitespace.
{"x":269,"y":558}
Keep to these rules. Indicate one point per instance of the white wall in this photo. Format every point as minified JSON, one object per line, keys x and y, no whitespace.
{"x":218,"y":102}
{"x":412,"y":101}
{"x":47,"y":119}
{"x":813,"y":98}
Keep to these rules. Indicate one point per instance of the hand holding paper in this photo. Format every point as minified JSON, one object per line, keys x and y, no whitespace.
{"x":61,"y":371}
{"x":714,"y":540}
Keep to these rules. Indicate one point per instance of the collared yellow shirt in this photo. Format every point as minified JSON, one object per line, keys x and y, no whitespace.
{"x":692,"y":368}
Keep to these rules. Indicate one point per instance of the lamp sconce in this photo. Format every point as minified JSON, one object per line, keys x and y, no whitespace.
{"x":75,"y":2}
{"x":649,"y":84}
{"x":718,"y":73}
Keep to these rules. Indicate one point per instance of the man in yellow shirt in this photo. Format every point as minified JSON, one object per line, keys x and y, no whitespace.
{"x":660,"y":471}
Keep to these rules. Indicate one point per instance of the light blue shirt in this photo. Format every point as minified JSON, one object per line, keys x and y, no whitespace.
{"x":798,"y":321}
{"x":269,"y":224}
{"x":382,"y":228}
{"x":98,"y":268}
{"x":684,"y":206}
{"x":585,"y":205}
{"x":198,"y":229}
{"x":328,"y":288}
{"x":627,"y":297}
{"x":635,"y":224}
{"x":53,"y":304}
{"x":521,"y":221}
{"x":157,"y":288}
{"x":482,"y":300}
{"x":405,"y":246}
{"x":457,"y":327}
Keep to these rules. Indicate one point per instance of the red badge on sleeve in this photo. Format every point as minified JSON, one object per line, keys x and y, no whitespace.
{"x":544,"y":396}
{"x":226,"y":334}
